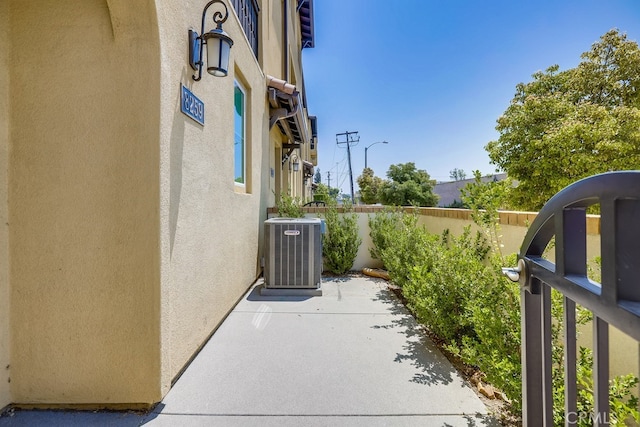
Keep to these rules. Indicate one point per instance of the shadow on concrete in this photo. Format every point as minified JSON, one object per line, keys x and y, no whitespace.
{"x":65,"y":418}
{"x":432,"y":367}
{"x":478,"y":420}
{"x":153,"y":414}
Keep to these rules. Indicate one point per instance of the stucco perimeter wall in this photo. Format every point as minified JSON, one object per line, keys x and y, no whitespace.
{"x":5,"y":396}
{"x":209,"y":226}
{"x":83,"y":197}
{"x":513,"y":228}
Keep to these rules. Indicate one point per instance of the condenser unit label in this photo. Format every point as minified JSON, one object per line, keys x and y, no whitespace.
{"x":291,"y":232}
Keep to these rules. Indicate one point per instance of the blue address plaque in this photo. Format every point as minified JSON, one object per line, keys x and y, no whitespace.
{"x":192,"y":106}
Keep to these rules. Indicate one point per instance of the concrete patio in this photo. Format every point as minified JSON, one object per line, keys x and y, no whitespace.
{"x":352,"y":357}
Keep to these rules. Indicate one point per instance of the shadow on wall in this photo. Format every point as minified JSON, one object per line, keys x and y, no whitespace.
{"x":176,"y":152}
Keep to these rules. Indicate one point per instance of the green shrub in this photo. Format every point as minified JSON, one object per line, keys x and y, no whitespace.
{"x":400,"y":244}
{"x":494,"y":312}
{"x":289,"y":207}
{"x":442,"y":282}
{"x":454,"y":285}
{"x":342,"y":240}
{"x":383,"y":228}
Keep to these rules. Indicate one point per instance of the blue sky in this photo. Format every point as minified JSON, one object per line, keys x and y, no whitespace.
{"x":432,"y":76}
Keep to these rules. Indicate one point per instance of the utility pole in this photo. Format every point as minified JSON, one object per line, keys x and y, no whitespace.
{"x":349,"y":138}
{"x":329,"y":179}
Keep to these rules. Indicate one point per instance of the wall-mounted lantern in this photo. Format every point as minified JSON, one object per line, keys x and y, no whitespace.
{"x":218,"y":45}
{"x":296,"y":165}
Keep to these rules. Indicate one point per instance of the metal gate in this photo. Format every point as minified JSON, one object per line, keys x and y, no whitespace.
{"x":615,"y":301}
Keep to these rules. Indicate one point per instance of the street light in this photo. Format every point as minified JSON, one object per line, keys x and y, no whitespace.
{"x":367,"y":147}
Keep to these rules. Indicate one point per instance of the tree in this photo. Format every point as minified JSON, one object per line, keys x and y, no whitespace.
{"x":370,"y":186}
{"x":567,"y":125}
{"x":408,"y":186}
{"x":317,"y":178}
{"x":324,"y":193}
{"x":457,"y":174}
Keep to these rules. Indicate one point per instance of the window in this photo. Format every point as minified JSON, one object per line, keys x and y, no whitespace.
{"x":240,"y":132}
{"x":247,"y":11}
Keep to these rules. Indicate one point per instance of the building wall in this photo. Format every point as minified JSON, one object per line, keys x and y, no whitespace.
{"x":209,"y":228}
{"x":128,"y":240}
{"x":272,"y":60}
{"x":272,"y":64}
{"x":83,"y":197}
{"x":5,"y":396}
{"x":273,"y":37}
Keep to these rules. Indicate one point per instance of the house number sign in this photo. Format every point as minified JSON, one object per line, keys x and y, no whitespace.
{"x":192,"y":106}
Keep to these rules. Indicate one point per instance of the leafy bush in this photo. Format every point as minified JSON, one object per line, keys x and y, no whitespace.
{"x":289,"y":207}
{"x":383,"y":228}
{"x":342,"y":239}
{"x":443,"y":283}
{"x":400,"y":244}
{"x":454,"y":285}
{"x":623,"y":403}
{"x":494,"y":312}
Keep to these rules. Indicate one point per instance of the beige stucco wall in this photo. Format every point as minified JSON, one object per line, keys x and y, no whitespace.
{"x":272,"y":62}
{"x":5,"y":395}
{"x":128,"y":239}
{"x":83,"y":197}
{"x":209,"y":229}
{"x":271,"y":14}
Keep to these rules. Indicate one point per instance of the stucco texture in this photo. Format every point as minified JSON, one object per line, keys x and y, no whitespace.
{"x":83,"y":197}
{"x":209,"y":227}
{"x":128,"y":240}
{"x":5,"y":395}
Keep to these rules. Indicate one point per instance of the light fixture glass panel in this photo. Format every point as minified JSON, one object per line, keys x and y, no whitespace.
{"x":218,"y":48}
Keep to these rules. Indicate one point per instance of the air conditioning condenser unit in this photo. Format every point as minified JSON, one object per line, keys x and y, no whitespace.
{"x":293,"y":256}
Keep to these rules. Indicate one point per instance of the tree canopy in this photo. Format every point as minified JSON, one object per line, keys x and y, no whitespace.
{"x":567,"y":125}
{"x":370,"y":186}
{"x":324,"y":193}
{"x":457,"y":174}
{"x":408,"y":186}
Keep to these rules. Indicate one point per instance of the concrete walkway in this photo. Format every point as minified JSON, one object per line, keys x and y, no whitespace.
{"x":353,"y":357}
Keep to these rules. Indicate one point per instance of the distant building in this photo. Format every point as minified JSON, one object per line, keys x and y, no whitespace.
{"x":449,"y":192}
